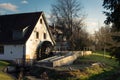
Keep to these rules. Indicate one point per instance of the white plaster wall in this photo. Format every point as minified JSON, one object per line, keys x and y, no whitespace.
{"x":33,"y":42}
{"x":12,"y":52}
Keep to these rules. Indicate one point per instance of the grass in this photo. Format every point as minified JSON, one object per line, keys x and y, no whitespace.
{"x":84,"y":61}
{"x":107,"y":75}
{"x":82,"y":69}
{"x":92,"y":72}
{"x":112,"y":67}
{"x":102,"y":52}
{"x":3,"y":64}
{"x":4,"y":76}
{"x":85,"y":71}
{"x":100,"y":58}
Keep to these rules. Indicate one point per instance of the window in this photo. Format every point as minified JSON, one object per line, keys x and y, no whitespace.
{"x":1,"y":49}
{"x":44,"y":35}
{"x":41,"y":21}
{"x":37,"y":35}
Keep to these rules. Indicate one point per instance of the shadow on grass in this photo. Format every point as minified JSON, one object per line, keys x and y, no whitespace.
{"x":107,"y":75}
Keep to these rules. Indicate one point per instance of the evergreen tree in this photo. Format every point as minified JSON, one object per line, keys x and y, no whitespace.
{"x":113,"y":17}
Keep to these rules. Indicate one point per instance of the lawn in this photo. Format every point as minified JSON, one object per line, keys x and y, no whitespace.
{"x":83,"y":69}
{"x":106,"y":59}
{"x":3,"y":64}
{"x":4,"y":76}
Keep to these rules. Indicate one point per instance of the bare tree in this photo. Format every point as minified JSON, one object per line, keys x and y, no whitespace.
{"x":68,"y":15}
{"x":103,"y":37}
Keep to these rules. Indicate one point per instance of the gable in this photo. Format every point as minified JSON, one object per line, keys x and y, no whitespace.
{"x":16,"y":28}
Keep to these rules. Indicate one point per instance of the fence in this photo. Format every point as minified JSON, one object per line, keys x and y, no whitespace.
{"x":26,"y":62}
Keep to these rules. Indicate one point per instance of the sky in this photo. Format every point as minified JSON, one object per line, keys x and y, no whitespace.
{"x":95,"y":17}
{"x":92,"y":8}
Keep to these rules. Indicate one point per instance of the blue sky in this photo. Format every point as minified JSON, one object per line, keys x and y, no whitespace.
{"x":95,"y":17}
{"x":93,"y":9}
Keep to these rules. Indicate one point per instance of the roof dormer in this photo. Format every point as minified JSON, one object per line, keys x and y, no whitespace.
{"x":17,"y":34}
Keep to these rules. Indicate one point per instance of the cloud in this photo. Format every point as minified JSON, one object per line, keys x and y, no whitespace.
{"x":92,"y":24}
{"x":48,"y":17}
{"x":2,"y":12}
{"x":24,"y":2}
{"x":8,"y":6}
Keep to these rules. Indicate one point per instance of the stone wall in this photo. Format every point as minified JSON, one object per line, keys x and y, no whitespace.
{"x":83,"y":53}
{"x":65,"y":59}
